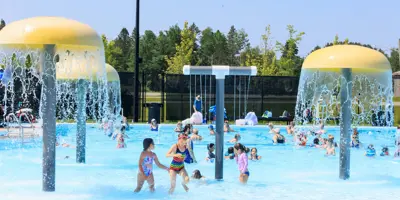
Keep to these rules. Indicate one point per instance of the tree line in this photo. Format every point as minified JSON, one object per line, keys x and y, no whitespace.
{"x":167,"y":51}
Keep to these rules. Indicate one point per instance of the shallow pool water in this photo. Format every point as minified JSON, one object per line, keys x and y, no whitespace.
{"x":284,"y":172}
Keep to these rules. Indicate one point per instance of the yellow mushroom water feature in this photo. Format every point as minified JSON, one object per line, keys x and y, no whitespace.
{"x":64,"y":59}
{"x":348,"y":84}
{"x":114,"y":93}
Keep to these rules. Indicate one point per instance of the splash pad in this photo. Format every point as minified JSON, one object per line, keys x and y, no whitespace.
{"x":346,"y":83}
{"x":64,"y":60}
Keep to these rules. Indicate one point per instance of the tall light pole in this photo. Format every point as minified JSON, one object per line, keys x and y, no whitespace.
{"x":137,"y":61}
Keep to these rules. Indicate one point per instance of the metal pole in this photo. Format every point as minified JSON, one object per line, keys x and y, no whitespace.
{"x":48,"y":101}
{"x":137,"y":60}
{"x":81,"y":123}
{"x":345,"y":124}
{"x":219,"y":136}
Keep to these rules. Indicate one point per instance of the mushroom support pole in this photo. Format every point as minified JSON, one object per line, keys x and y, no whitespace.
{"x":345,"y":124}
{"x":220,"y":72}
{"x":81,"y":123}
{"x":49,"y":118}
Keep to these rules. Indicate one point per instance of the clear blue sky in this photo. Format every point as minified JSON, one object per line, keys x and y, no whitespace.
{"x":367,"y":21}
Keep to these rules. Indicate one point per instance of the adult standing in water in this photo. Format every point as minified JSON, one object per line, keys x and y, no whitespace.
{"x":178,"y":152}
{"x":197,"y":104}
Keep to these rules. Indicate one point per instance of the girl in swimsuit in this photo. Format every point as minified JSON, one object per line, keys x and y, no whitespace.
{"x":254,"y":155}
{"x":178,"y":152}
{"x":242,"y":161}
{"x":147,"y":157}
{"x":190,"y":158}
{"x":121,"y":138}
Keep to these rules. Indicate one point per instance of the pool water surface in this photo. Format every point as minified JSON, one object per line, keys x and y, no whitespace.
{"x":284,"y":172}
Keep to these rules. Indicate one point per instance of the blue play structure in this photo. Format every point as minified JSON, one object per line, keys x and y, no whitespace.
{"x":212,"y":111}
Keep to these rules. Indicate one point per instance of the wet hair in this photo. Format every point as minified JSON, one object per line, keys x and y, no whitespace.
{"x":187,"y":127}
{"x":239,"y":146}
{"x":237,"y":136}
{"x":231,"y":150}
{"x":197,"y":174}
{"x":316,"y":141}
{"x":209,"y":146}
{"x":246,"y":150}
{"x":255,"y":149}
{"x":146,"y":143}
{"x":385,"y":149}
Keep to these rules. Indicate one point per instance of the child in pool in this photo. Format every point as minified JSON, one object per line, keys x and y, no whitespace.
{"x":211,"y":129}
{"x":121,"y":138}
{"x":210,"y":156}
{"x":242,"y":161}
{"x":330,"y":146}
{"x":147,"y":157}
{"x":196,"y":135}
{"x":355,"y":141}
{"x":235,"y":139}
{"x":370,"y":152}
{"x":230,"y":154}
{"x":153,"y":125}
{"x":179,"y":127}
{"x":385,"y":151}
{"x":197,"y":175}
{"x":254,"y":155}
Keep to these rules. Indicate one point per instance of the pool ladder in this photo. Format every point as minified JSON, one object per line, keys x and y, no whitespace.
{"x":13,"y":118}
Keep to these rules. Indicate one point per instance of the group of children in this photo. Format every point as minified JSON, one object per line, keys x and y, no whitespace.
{"x":329,"y":143}
{"x":117,"y":133}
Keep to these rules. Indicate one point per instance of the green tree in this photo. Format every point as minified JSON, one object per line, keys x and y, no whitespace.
{"x":2,"y":24}
{"x":268,"y":65}
{"x":336,"y":40}
{"x":28,"y":61}
{"x":220,"y":56}
{"x":207,"y":50}
{"x":196,"y":47}
{"x":124,"y":43}
{"x":394,"y":59}
{"x":290,"y":62}
{"x":114,"y":57}
{"x":236,"y":42}
{"x":183,"y":53}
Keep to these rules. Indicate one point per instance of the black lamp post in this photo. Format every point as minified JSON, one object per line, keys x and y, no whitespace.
{"x":137,"y":61}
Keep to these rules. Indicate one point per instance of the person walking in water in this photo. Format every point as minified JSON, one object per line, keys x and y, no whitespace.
{"x":242,"y":161}
{"x":178,"y":152}
{"x":147,"y":157}
{"x":197,"y":104}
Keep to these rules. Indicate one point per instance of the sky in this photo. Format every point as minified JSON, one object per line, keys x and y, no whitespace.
{"x":367,"y":21}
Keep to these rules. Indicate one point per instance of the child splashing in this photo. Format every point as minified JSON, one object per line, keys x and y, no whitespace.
{"x":147,"y":157}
